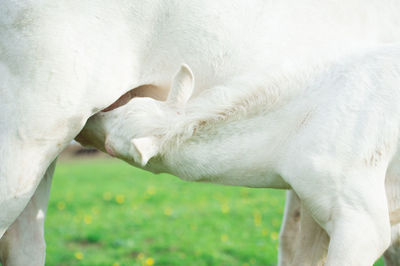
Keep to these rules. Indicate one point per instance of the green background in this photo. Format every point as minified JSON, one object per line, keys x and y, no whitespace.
{"x":105,"y":212}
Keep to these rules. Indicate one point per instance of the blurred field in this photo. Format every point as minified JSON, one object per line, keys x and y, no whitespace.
{"x":105,"y":212}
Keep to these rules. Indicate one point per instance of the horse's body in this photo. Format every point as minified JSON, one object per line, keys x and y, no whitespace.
{"x":61,"y":62}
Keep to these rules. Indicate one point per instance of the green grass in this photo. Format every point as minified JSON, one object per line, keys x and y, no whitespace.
{"x":109,"y":213}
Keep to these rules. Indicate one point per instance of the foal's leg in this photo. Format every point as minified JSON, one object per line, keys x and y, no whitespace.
{"x":293,"y":249}
{"x":352,"y":208}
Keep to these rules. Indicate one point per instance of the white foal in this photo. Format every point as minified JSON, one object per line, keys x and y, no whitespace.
{"x":329,"y":133}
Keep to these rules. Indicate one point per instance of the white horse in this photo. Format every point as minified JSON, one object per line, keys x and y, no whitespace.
{"x":329,"y":132}
{"x":61,"y":62}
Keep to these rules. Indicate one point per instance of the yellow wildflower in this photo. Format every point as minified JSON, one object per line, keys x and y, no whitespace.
{"x":61,"y":205}
{"x":274,"y":236}
{"x":120,"y":198}
{"x":257,"y":218}
{"x":78,"y":255}
{"x":87,"y":219}
{"x":224,"y":238}
{"x":151,"y":190}
{"x":264,"y":232}
{"x":224,"y":208}
{"x":149,"y":261}
{"x":168,"y":211}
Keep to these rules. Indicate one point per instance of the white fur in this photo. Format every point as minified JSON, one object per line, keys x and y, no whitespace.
{"x":63,"y":61}
{"x":329,"y":134}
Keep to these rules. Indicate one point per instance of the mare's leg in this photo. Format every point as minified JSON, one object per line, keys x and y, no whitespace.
{"x":311,"y":243}
{"x":24,"y":243}
{"x":289,"y":229}
{"x":302,"y":240}
{"x":392,"y":254}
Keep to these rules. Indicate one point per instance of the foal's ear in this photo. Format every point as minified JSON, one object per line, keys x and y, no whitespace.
{"x":182,"y":87}
{"x":143,"y":149}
